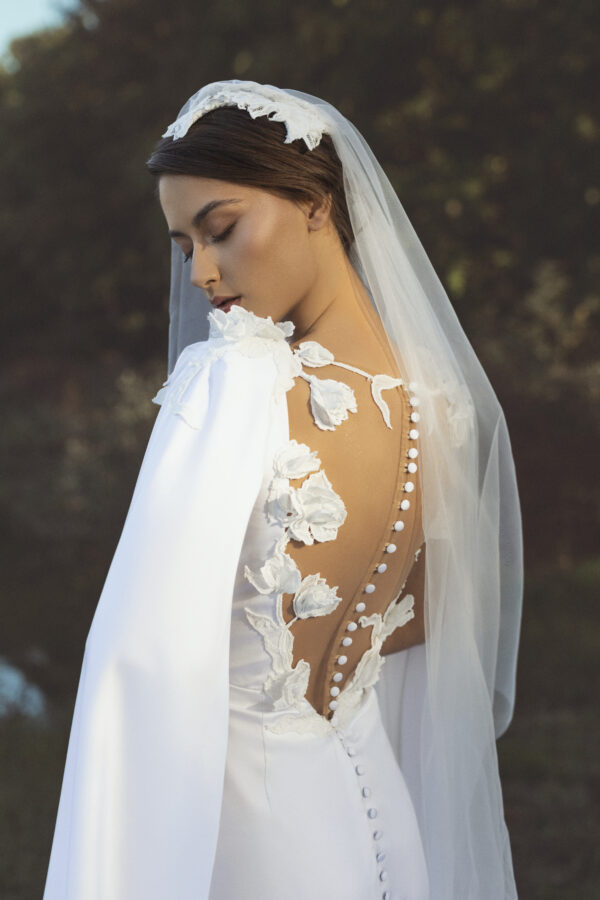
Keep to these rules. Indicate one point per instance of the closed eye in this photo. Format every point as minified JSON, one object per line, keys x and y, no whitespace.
{"x":223,"y":235}
{"x":215,"y":240}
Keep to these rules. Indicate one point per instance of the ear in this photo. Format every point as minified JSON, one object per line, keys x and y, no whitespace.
{"x":318,"y":212}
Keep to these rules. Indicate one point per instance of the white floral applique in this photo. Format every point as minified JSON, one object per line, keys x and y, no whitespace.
{"x":368,"y":670}
{"x":241,"y":329}
{"x":279,"y":574}
{"x":381,"y":383}
{"x":398,"y":613}
{"x":332,"y":400}
{"x":314,"y":597}
{"x":287,"y":684}
{"x":310,"y":512}
{"x":447,"y":389}
{"x":311,"y":353}
{"x":295,"y":460}
{"x":301,"y":119}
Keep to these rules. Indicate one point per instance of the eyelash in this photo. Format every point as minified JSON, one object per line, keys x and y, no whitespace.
{"x":216,"y":239}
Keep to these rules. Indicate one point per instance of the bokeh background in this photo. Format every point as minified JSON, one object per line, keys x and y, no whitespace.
{"x":485,"y":117}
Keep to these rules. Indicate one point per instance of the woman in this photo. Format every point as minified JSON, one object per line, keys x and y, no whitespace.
{"x":306,"y":642}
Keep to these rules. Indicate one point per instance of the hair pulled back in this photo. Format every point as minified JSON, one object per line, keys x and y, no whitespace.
{"x":228,"y":144}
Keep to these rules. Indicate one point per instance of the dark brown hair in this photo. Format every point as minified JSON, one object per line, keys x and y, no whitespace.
{"x":228,"y":144}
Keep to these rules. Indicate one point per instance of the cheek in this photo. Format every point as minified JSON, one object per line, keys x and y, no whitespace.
{"x":275,"y":259}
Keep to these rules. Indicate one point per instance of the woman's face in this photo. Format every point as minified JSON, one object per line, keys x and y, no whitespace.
{"x":242,"y":241}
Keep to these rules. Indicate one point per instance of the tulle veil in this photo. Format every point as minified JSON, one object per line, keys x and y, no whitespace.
{"x":446,"y":702}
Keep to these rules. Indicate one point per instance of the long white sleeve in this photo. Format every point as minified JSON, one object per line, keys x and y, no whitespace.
{"x":141,"y":795}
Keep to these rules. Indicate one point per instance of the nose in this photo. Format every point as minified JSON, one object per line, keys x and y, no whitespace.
{"x":205,"y":270}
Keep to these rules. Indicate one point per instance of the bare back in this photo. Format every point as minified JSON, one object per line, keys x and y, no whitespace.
{"x":376,"y":551}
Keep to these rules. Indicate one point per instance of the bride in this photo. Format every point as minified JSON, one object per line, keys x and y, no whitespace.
{"x":306,"y":643}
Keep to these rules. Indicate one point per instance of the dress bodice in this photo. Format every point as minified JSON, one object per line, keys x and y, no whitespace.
{"x":332,"y":538}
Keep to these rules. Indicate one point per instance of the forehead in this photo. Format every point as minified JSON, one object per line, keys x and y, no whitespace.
{"x":184,"y":194}
{"x":186,"y":200}
{"x":179,"y":188}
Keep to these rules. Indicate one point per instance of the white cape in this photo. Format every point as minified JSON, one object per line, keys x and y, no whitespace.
{"x":141,"y":795}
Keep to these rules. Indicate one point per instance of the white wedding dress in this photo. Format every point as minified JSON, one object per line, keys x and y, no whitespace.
{"x":227,"y":743}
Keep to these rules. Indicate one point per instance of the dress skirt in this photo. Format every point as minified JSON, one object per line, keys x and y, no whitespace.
{"x":310,"y":816}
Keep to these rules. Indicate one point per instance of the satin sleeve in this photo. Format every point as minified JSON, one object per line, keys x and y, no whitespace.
{"x":140,"y":802}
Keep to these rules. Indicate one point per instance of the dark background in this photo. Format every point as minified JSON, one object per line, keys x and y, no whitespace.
{"x":484,"y":115}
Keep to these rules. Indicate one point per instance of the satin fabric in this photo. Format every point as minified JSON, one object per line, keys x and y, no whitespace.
{"x":174,"y":786}
{"x":315,"y":816}
{"x":141,"y":795}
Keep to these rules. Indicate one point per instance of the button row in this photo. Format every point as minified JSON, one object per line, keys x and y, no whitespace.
{"x":390,"y":547}
{"x":372,"y":813}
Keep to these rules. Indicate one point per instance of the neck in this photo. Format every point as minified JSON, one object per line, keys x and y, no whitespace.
{"x":337,"y":302}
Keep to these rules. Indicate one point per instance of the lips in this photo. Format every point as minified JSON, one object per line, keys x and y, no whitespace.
{"x":219,"y":301}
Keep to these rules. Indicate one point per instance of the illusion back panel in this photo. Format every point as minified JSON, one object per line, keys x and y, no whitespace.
{"x":374,"y":470}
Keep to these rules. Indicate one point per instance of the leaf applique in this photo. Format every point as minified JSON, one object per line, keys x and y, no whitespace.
{"x":381,"y":383}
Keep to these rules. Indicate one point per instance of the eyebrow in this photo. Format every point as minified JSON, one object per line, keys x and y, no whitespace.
{"x":202,"y":213}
